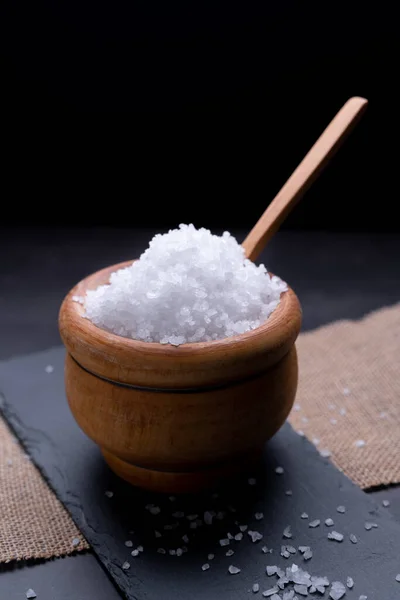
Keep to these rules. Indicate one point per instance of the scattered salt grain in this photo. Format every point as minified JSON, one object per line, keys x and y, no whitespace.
{"x":109,"y":494}
{"x":271,"y":570}
{"x":9,"y":462}
{"x":315,"y":523}
{"x":303,"y":549}
{"x":315,"y":441}
{"x":255,"y":588}
{"x":238,"y":536}
{"x":161,"y":551}
{"x":188,"y":286}
{"x":205,"y":567}
{"x":304,"y":419}
{"x":329,"y":522}
{"x":287,"y":532}
{"x":359,"y":443}
{"x":398,"y":578}
{"x":362,"y":597}
{"x":172,"y":552}
{"x":129,"y":543}
{"x":304,"y":515}
{"x":334,"y":535}
{"x":331,"y":406}
{"x":342,"y":412}
{"x":385,"y":503}
{"x":193,"y":525}
{"x":353,"y":538}
{"x":210,"y":556}
{"x":368,"y":526}
{"x":75,"y":542}
{"x":383,"y":415}
{"x":346,"y":391}
{"x":233,"y":570}
{"x":255,"y":536}
{"x":30,"y":594}
{"x":270,"y":592}
{"x":178,"y":514}
{"x":179,"y":551}
{"x":297,"y":407}
{"x":140,"y":548}
{"x":258,"y":516}
{"x":307,"y":555}
{"x":126,"y":566}
{"x":49,"y":369}
{"x":350,"y":583}
{"x":338,"y":590}
{"x":252,"y":481}
{"x":325,"y":453}
{"x":135,"y":552}
{"x":289,"y":493}
{"x":243,"y":528}
{"x":224,"y":542}
{"x":301,"y":589}
{"x":185,"y":538}
{"x":279,"y":470}
{"x":229,"y":552}
{"x":333,"y":421}
{"x":341,"y":509}
{"x":157,"y":534}
{"x":229,"y":536}
{"x":79,"y":299}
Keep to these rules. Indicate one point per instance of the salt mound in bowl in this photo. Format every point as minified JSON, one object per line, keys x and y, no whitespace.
{"x":188,"y":286}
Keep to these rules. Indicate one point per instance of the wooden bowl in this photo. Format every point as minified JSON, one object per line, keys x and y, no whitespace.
{"x":177,"y":419}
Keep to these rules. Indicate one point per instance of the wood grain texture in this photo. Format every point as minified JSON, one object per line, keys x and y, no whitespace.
{"x":305,"y":174}
{"x":205,"y":408}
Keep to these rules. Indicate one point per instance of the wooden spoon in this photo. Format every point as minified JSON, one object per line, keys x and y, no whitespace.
{"x":305,"y":174}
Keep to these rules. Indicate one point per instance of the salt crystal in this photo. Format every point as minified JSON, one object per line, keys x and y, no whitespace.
{"x":398,"y":578}
{"x":205,"y":567}
{"x":154,"y":510}
{"x":362,"y":597}
{"x":229,"y":536}
{"x":238,"y":536}
{"x":178,"y":514}
{"x":252,"y":481}
{"x":109,"y":494}
{"x":255,"y":535}
{"x":289,"y":493}
{"x":271,"y":570}
{"x":243,"y":528}
{"x":304,"y":515}
{"x":229,"y":552}
{"x":224,"y":542}
{"x":210,"y":556}
{"x":49,"y":369}
{"x":186,"y":539}
{"x":291,"y":549}
{"x":188,"y":286}
{"x":342,"y":412}
{"x":331,"y":406}
{"x":161,"y":551}
{"x":325,"y":453}
{"x":126,"y":566}
{"x":30,"y":594}
{"x":368,"y":526}
{"x":333,"y":421}
{"x":279,"y":470}
{"x":359,"y":443}
{"x":259,"y":516}
{"x":304,"y":419}
{"x":303,"y":549}
{"x":157,"y":534}
{"x":346,"y":391}
{"x":315,"y":523}
{"x":172,"y":552}
{"x":353,"y":538}
{"x":385,"y":503}
{"x":79,"y":299}
{"x":315,"y":441}
{"x":287,"y":532}
{"x":301,"y":589}
{"x":192,"y":517}
{"x":275,"y":597}
{"x":338,"y":590}
{"x":255,"y":588}
{"x":329,"y":522}
{"x":297,"y":407}
{"x":350,"y":582}
{"x":383,"y":415}
{"x":233,"y":570}
{"x":270,"y":592}
{"x":129,"y":543}
{"x":307,"y":555}
{"x":193,"y":525}
{"x":75,"y":542}
{"x":334,"y":535}
{"x":341,"y":509}
{"x":140,"y":548}
{"x":179,"y":551}
{"x":135,"y":552}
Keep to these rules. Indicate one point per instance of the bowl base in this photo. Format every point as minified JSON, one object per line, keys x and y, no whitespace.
{"x":177,"y":481}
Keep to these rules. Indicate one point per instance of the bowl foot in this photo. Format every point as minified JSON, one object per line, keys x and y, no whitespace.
{"x":178,"y":482}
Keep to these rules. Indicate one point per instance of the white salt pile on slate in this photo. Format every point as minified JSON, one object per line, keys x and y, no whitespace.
{"x":188,"y":286}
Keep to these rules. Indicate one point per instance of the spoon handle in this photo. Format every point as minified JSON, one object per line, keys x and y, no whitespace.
{"x":304,"y":175}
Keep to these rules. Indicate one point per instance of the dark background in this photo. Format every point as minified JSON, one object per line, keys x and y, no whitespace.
{"x":150,"y":113}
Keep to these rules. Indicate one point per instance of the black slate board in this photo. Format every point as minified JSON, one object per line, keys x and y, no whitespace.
{"x":34,"y":404}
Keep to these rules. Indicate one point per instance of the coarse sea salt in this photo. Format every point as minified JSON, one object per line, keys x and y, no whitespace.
{"x":188,"y":286}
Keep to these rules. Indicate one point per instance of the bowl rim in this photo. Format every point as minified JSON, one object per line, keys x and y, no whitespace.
{"x":93,"y":280}
{"x":136,"y":362}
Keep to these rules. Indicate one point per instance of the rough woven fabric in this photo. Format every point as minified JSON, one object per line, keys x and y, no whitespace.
{"x":348,"y":400}
{"x":33,"y":523}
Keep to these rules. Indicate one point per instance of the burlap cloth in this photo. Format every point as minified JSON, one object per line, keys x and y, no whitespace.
{"x":33,"y":523}
{"x":348,"y":404}
{"x":348,"y":401}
